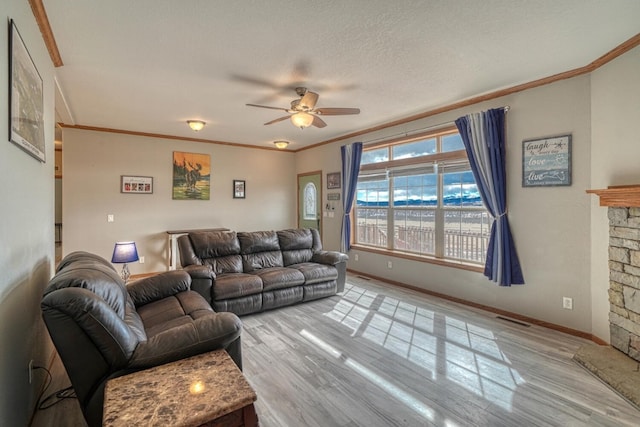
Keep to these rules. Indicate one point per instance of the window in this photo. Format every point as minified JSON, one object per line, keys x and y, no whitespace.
{"x":417,"y":196}
{"x":310,"y":204}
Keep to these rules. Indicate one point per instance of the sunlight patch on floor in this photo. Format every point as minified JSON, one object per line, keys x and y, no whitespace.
{"x":404,"y":397}
{"x":469,"y":356}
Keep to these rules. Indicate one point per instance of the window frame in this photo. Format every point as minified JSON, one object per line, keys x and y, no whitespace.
{"x":437,"y":158}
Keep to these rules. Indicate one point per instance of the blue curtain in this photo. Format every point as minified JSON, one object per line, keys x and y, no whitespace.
{"x":484,"y":141}
{"x":351,"y":155}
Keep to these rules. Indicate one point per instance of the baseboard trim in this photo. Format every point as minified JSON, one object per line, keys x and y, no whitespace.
{"x":488,"y":308}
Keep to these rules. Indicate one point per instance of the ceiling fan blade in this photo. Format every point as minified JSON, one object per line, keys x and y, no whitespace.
{"x":277,"y":120}
{"x":265,"y":106}
{"x":336,"y":111}
{"x":318,"y":122}
{"x":309,"y":100}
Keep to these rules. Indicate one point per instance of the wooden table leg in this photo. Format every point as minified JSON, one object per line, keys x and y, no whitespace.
{"x":249,"y":415}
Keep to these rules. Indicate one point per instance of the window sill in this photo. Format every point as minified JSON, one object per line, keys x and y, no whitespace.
{"x":422,"y":258}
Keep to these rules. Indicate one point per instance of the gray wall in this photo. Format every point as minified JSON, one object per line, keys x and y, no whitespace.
{"x":26,"y":234}
{"x":615,"y":160}
{"x":94,"y":161}
{"x":550,"y":225}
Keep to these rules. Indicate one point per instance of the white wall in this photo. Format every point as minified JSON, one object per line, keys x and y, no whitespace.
{"x":615,"y":160}
{"x":94,"y":161}
{"x":26,"y":234}
{"x":550,"y":225}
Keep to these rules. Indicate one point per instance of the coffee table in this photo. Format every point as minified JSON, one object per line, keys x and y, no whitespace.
{"x":206,"y":390}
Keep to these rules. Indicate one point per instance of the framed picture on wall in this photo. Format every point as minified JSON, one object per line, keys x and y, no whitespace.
{"x":546,"y":162}
{"x":136,"y":184}
{"x":239,"y":187}
{"x":333,"y":180}
{"x":26,"y":104}
{"x":191,"y":176}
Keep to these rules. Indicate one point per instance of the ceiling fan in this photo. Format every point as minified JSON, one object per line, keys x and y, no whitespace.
{"x":303,"y":111}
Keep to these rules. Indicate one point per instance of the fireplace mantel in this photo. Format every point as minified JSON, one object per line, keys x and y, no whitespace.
{"x":620,"y":196}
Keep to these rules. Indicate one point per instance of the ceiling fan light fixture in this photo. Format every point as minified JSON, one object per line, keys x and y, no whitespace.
{"x":302,"y":120}
{"x":281,"y":144}
{"x":196,"y":125}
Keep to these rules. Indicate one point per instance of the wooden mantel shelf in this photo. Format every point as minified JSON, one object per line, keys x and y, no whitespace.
{"x":620,"y":196}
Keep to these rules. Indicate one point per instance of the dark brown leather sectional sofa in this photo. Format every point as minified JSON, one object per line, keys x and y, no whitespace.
{"x":248,"y":272}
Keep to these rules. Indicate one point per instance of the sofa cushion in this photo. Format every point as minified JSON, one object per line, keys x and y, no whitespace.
{"x":213,"y":244}
{"x":95,"y":276}
{"x":235,"y":285}
{"x":198,"y":329}
{"x":300,"y":238}
{"x":296,"y":245}
{"x":258,"y":241}
{"x":260,"y":260}
{"x":316,"y":273}
{"x":172,"y":312}
{"x":279,"y":277}
{"x":296,"y":256}
{"x":225,"y":264}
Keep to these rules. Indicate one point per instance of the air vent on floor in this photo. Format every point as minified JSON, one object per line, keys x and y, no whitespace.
{"x":517,"y":322}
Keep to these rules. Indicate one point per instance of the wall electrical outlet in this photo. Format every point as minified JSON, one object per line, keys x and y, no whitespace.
{"x":141,"y":260}
{"x":110,"y":218}
{"x":30,"y":371}
{"x":567,"y":303}
{"x":355,"y":257}
{"x":389,"y":264}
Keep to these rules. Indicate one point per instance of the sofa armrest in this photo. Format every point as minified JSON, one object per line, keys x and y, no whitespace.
{"x":329,"y":257}
{"x":157,"y":287}
{"x":200,"y":272}
{"x":202,"y":279}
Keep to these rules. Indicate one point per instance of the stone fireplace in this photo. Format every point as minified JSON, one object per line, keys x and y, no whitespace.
{"x":624,"y":266}
{"x":624,"y":280}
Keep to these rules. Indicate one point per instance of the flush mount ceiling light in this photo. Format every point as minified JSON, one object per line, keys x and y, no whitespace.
{"x":196,"y":125}
{"x":302,"y":120}
{"x":281,"y":144}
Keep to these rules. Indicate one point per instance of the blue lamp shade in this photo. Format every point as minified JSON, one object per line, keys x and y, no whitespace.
{"x":124,"y":252}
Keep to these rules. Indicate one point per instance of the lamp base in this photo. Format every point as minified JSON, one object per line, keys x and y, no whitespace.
{"x":125,"y":273}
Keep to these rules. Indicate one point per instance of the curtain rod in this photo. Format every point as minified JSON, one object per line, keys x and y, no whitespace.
{"x":407,"y":133}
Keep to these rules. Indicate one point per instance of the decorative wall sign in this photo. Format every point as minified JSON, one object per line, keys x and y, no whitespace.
{"x":333,"y":196}
{"x":136,"y":184}
{"x":333,"y":180}
{"x":546,"y":161}
{"x":191,"y":176}
{"x":26,"y":104}
{"x":238,"y":189}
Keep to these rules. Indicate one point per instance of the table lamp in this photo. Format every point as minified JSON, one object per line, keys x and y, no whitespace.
{"x":123,"y":253}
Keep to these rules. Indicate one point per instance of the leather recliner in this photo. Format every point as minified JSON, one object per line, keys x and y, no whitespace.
{"x":103,"y":329}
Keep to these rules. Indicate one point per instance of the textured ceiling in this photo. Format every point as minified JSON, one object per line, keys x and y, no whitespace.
{"x":149,"y":65}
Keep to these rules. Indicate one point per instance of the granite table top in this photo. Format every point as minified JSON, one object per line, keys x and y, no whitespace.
{"x":188,"y":392}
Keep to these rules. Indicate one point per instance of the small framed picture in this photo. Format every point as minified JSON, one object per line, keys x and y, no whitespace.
{"x":239,"y":188}
{"x":136,"y":184}
{"x":333,"y":180}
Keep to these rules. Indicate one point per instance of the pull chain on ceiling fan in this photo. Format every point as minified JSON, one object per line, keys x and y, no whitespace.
{"x":303,"y":111}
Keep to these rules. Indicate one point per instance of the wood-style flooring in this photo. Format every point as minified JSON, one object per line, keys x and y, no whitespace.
{"x":379,"y":355}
